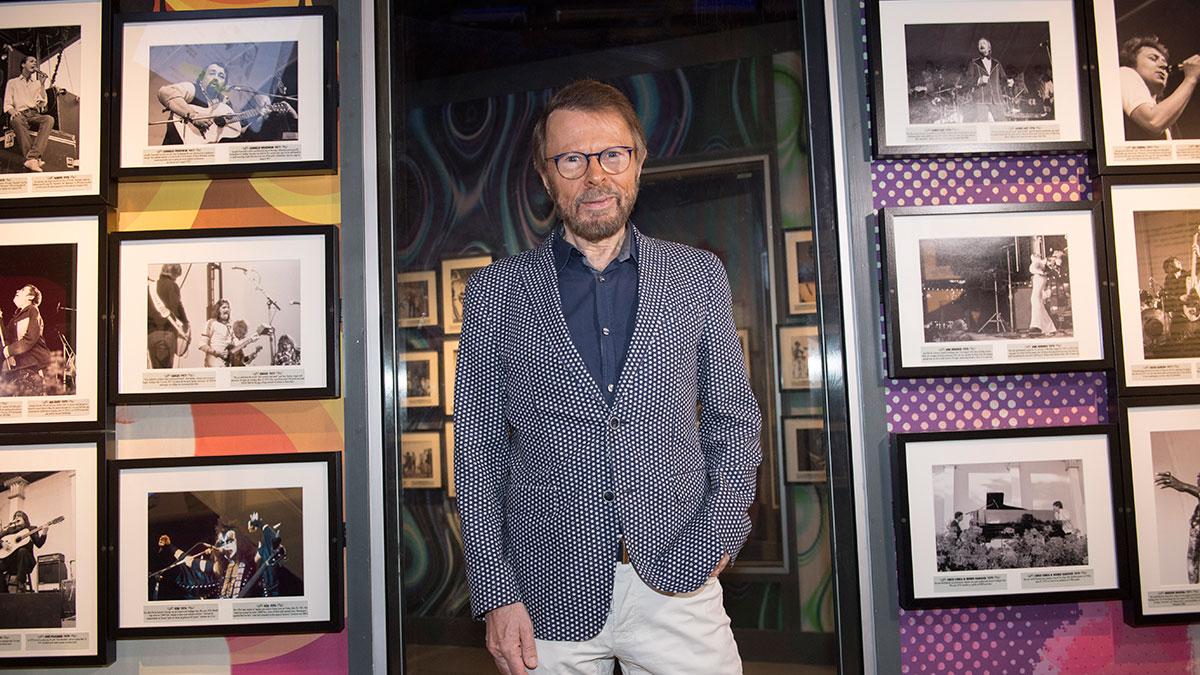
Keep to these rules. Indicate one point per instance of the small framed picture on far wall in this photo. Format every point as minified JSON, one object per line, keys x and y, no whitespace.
{"x":455,"y":273}
{"x":801,"y":265}
{"x":800,"y":357}
{"x":416,"y":299}
{"x":421,"y":459}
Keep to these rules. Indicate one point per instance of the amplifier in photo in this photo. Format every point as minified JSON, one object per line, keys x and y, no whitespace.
{"x":51,"y":569}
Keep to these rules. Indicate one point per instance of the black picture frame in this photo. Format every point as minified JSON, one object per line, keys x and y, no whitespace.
{"x":277,"y":474}
{"x":1023,"y":446}
{"x":1150,"y":360}
{"x":950,"y":333}
{"x":90,"y":108}
{"x":40,"y":454}
{"x":298,"y":254}
{"x":282,"y":156}
{"x":1144,"y":156}
{"x":78,"y":318}
{"x":1147,"y":443}
{"x":938,"y":98}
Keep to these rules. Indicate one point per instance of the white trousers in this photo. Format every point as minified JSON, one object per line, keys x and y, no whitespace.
{"x":651,"y":633}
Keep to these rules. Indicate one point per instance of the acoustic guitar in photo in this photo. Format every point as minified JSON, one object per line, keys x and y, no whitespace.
{"x":11,"y":542}
{"x":232,"y":126}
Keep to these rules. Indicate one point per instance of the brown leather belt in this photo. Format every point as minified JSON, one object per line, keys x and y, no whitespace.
{"x":622,"y":552}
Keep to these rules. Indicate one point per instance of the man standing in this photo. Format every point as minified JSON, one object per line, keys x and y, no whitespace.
{"x":25,"y":104}
{"x":218,"y":337}
{"x":986,"y":77}
{"x":1143,"y":72}
{"x":25,"y":352}
{"x":596,"y":515}
{"x":166,"y":321}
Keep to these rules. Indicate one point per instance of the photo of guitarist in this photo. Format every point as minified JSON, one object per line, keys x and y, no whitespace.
{"x":25,"y":353}
{"x":201,"y":111}
{"x":168,"y":332}
{"x":1181,"y":304}
{"x":19,"y":562}
{"x":224,"y":341}
{"x":239,"y":563}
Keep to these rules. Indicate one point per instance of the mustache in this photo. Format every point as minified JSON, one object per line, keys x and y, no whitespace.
{"x":593,"y":194}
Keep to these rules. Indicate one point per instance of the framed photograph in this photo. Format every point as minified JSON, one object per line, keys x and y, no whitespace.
{"x":419,"y":381}
{"x":804,"y":449}
{"x":1159,"y":440}
{"x":1006,"y":517}
{"x":977,"y":76}
{"x":247,"y":314}
{"x":421,"y":459}
{"x":53,"y":144}
{"x":801,"y":265}
{"x":454,"y":284}
{"x":995,"y":289}
{"x":800,"y":357}
{"x":225,"y":92}
{"x":1146,"y":67}
{"x":1154,"y":249}
{"x":52,"y":330}
{"x":448,"y":435}
{"x":247,"y":544}
{"x":416,"y":299}
{"x":54,"y":576}
{"x":450,"y":367}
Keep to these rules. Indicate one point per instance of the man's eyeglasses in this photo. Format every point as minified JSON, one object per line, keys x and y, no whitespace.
{"x":572,"y":165}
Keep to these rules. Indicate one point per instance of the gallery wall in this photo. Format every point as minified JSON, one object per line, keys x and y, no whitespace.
{"x":1089,"y":637}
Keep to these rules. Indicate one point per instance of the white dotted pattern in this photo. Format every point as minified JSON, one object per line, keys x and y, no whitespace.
{"x":547,"y":474}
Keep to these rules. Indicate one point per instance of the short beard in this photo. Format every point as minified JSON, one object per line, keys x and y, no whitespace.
{"x":599,"y":229}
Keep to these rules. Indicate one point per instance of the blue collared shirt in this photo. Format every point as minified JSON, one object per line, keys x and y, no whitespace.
{"x":600,"y":307}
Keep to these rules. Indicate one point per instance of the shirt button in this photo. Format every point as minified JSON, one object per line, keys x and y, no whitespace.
{"x":610,"y":387}
{"x":602,"y":279}
{"x":609,"y":496}
{"x":604,"y":330}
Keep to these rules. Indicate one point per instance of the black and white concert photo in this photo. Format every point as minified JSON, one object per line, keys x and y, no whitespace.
{"x":989,"y":288}
{"x":37,"y":319}
{"x":416,"y":299}
{"x":1159,"y":66}
{"x":224,"y":314}
{"x":223,"y":93}
{"x":979,"y":72}
{"x":1168,"y":254}
{"x":42,"y":72}
{"x":421,"y":459}
{"x":1176,"y":504}
{"x":37,"y":550}
{"x":1009,"y":515}
{"x":223,"y":544}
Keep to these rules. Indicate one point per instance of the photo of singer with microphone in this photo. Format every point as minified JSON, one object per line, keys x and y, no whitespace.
{"x":225,"y":544}
{"x":37,"y":320}
{"x":223,"y":314}
{"x":1159,"y":68}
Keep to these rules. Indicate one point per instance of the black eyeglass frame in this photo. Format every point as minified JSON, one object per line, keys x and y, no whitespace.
{"x":587,"y":158}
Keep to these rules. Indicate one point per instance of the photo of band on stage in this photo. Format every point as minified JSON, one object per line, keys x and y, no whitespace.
{"x":989,"y":288}
{"x":979,"y":72}
{"x":223,"y":314}
{"x":225,"y":544}
{"x":37,"y":549}
{"x":1168,"y":259}
{"x":37,"y":320}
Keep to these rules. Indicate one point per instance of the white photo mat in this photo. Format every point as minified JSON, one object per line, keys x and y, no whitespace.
{"x":894,"y":15}
{"x":1164,"y":439}
{"x":79,"y":511}
{"x":1085,"y":344}
{"x":85,"y":81}
{"x":134,"y":69}
{"x":1130,"y":272}
{"x":136,"y":484}
{"x":138,"y":256}
{"x":1092,"y":451}
{"x":84,"y":233}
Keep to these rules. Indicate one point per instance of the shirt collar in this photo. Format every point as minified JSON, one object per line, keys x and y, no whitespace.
{"x":564,"y":250}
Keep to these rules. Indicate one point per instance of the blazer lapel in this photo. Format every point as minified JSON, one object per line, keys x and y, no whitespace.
{"x":542,"y":281}
{"x":652,"y":271}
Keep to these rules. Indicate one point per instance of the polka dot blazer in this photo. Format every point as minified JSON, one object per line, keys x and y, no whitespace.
{"x":549,"y":476}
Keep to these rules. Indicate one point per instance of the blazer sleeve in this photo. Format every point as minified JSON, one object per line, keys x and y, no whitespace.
{"x":730,"y":426}
{"x":481,"y":473}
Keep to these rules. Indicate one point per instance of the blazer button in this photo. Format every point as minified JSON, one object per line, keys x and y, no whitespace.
{"x":614,"y":423}
{"x":609,"y":496}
